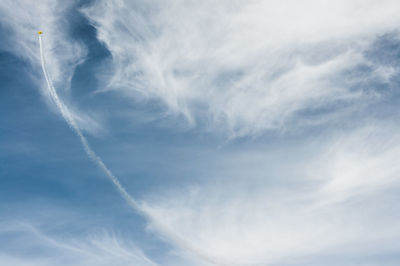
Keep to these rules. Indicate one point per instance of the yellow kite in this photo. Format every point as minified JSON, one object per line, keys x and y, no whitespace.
{"x":40,"y":32}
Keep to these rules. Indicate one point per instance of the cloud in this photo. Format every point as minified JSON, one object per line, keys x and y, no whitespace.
{"x":131,"y":201}
{"x":243,"y":66}
{"x":21,"y":20}
{"x":28,"y":245}
{"x":360,"y":163}
{"x":339,"y":204}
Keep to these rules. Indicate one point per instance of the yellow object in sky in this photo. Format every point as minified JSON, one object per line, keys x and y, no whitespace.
{"x":40,"y":32}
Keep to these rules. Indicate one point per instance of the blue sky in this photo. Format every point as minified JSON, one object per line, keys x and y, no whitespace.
{"x":247,"y":132}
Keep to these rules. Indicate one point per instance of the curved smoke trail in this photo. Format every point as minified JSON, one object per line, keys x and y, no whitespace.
{"x":97,"y":160}
{"x":72,"y":124}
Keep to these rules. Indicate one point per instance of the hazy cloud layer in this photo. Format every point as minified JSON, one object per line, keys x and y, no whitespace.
{"x":244,"y":66}
{"x":339,"y":205}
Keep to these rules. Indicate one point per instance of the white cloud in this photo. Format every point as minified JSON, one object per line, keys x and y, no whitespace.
{"x":28,"y":245}
{"x":244,"y":66}
{"x":22,"y":20}
{"x":358,"y":163}
{"x":341,"y":202}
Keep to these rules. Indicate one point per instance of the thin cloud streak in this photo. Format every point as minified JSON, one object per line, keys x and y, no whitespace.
{"x":99,"y":248}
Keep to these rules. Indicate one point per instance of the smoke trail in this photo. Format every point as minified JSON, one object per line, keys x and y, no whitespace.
{"x":97,"y":160}
{"x":72,"y":124}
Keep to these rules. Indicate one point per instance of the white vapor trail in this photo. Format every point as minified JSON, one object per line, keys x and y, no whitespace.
{"x":71,"y":122}
{"x":141,"y":209}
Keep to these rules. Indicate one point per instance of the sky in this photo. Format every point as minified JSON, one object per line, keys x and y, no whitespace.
{"x":200,"y":133}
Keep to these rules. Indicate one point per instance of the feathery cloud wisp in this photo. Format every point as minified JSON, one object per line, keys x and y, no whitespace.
{"x":332,"y":205}
{"x":247,"y":65}
{"x":96,"y":249}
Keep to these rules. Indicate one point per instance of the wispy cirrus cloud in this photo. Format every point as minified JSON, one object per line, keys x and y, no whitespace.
{"x":243,"y":66}
{"x":331,"y":208}
{"x":240,"y":67}
{"x":28,"y":245}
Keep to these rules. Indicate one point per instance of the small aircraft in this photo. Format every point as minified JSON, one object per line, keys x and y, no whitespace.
{"x":40,"y":32}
